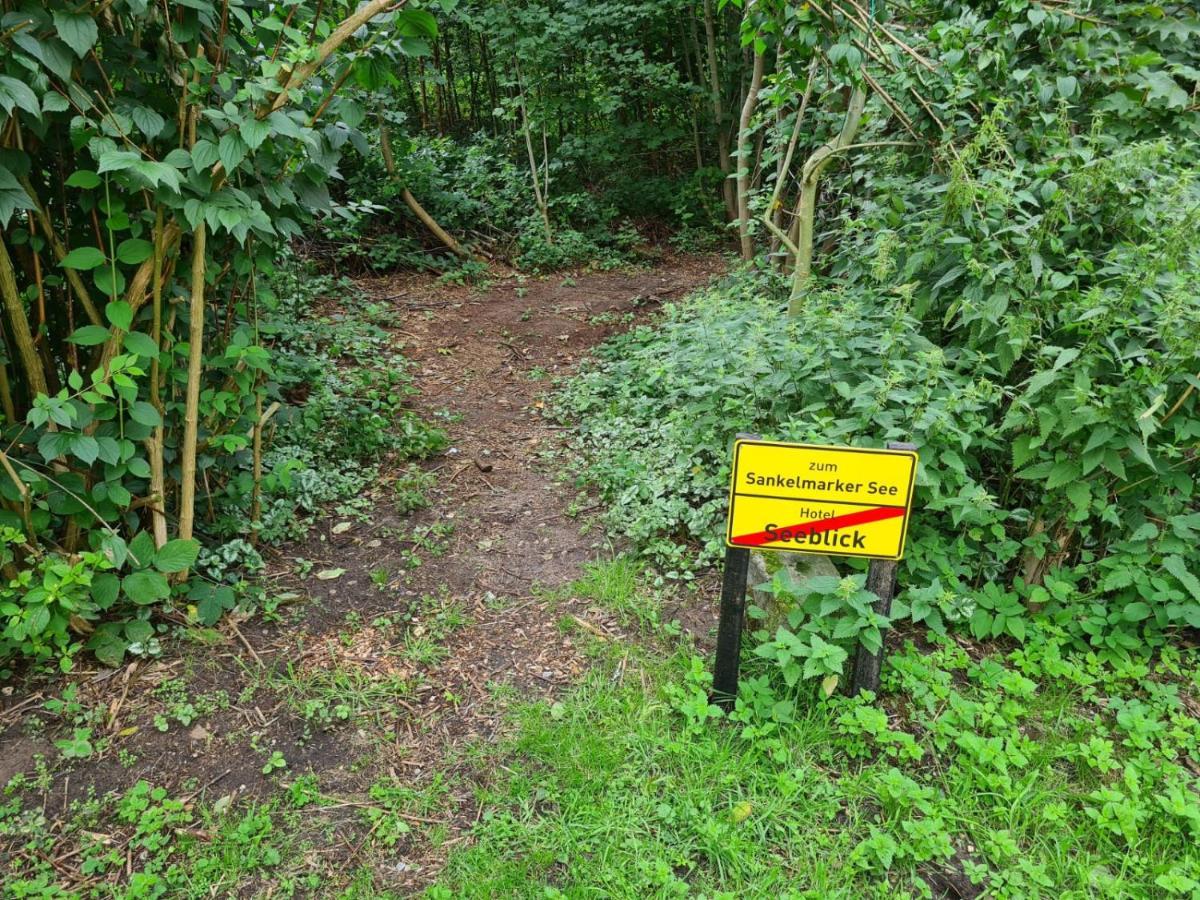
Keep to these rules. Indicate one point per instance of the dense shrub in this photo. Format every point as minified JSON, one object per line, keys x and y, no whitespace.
{"x":1046,"y":373}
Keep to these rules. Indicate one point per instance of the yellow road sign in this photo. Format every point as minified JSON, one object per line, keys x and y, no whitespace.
{"x":803,"y":498}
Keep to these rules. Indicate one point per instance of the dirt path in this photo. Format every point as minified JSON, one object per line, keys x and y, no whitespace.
{"x":413,"y":628}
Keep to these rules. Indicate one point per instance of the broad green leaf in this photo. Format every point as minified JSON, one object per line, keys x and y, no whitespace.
{"x":84,"y":178}
{"x":84,"y":447}
{"x":120,"y":314}
{"x":177,"y":555}
{"x":108,"y":645}
{"x":416,"y":23}
{"x":109,"y":283}
{"x":105,"y":588}
{"x":37,"y":619}
{"x":78,"y":31}
{"x":1161,"y":86}
{"x":148,"y":121}
{"x":145,"y":587}
{"x":117,"y":161}
{"x":17,"y":94}
{"x":204,"y":155}
{"x":1136,"y":612}
{"x":54,"y":102}
{"x":89,"y":335}
{"x":157,"y":173}
{"x":232,"y":150}
{"x":50,"y":52}
{"x":138,"y":630}
{"x":83,"y":258}
{"x":142,"y":548}
{"x":254,"y":132}
{"x":134,"y":251}
{"x":141,"y":344}
{"x":213,"y":603}
{"x":12,"y":196}
{"x":144,"y":414}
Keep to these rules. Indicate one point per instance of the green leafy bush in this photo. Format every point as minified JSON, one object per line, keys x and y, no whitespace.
{"x":1045,"y":372}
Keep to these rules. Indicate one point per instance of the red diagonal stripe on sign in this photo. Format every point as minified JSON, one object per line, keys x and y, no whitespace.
{"x":861,"y":517}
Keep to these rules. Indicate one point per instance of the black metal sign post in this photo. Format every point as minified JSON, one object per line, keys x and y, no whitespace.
{"x":729,"y":628}
{"x":881,"y":581}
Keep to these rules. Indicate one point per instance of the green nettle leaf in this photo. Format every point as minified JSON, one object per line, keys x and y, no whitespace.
{"x":108,"y":645}
{"x":53,"y":54}
{"x":1177,"y":567}
{"x":145,"y":414}
{"x":78,"y":31}
{"x":54,"y":102}
{"x":254,"y":132}
{"x":416,"y":23}
{"x":141,"y":344}
{"x":38,"y":619}
{"x":117,"y":161}
{"x":204,"y":155}
{"x":138,"y":630}
{"x":177,"y":555}
{"x":84,"y":178}
{"x":89,"y":335}
{"x":148,"y":121}
{"x":232,"y":150}
{"x":142,"y":548}
{"x":84,"y":447}
{"x":145,"y":587}
{"x":105,"y":588}
{"x":211,"y":602}
{"x":16,"y":93}
{"x":1161,"y":86}
{"x":134,"y":251}
{"x":120,"y":314}
{"x":83,"y":258}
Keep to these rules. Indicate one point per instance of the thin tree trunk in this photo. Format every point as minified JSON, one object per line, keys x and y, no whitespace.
{"x":691,"y":51}
{"x":35,"y":377}
{"x":6,"y":399}
{"x":542,"y":200}
{"x":810,"y":185}
{"x":154,"y":444}
{"x":424,"y":97}
{"x":714,"y":84}
{"x":389,"y":162}
{"x":191,"y":415}
{"x":743,"y":158}
{"x":256,"y":492}
{"x":773,"y":217}
{"x":438,"y":92}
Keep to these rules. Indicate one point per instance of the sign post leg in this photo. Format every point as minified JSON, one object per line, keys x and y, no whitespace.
{"x":881,"y":581}
{"x":729,"y":630}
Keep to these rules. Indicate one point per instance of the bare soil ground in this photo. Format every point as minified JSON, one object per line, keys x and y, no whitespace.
{"x":402,"y":665}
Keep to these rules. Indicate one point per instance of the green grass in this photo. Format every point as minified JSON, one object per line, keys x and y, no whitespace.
{"x":1031,"y":773}
{"x":1014,"y":771}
